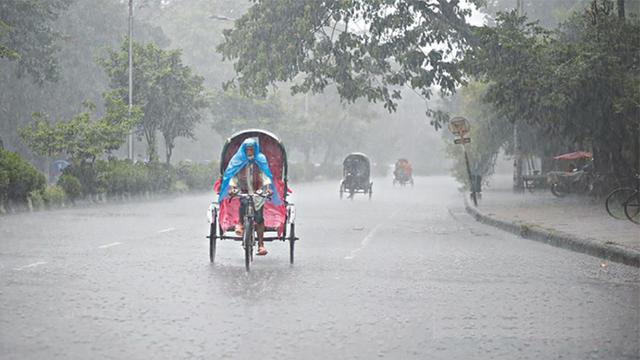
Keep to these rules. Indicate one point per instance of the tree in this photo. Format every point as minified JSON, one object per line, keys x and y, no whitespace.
{"x":85,"y":29}
{"x":578,"y":83}
{"x":80,"y":138}
{"x":184,"y":98}
{"x":367,"y":48}
{"x":167,"y":91}
{"x":27,"y":36}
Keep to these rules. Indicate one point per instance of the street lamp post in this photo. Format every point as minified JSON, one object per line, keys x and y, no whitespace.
{"x":131,"y":76}
{"x":459,"y":127}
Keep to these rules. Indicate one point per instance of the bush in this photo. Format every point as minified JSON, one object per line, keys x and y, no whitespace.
{"x":86,"y":174}
{"x":197,"y":176}
{"x":53,"y":196}
{"x":18,"y":178}
{"x":117,"y":177}
{"x":161,"y":177}
{"x":36,"y":200}
{"x":71,"y":186}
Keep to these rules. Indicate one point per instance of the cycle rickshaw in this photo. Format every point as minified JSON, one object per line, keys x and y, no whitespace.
{"x":577,"y":177}
{"x":356,"y":176}
{"x":279,"y":219}
{"x":403,"y":173}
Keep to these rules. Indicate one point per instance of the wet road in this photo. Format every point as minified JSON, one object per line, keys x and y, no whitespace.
{"x":407,"y":275}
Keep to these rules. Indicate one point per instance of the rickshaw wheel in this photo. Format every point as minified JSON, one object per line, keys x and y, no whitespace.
{"x":292,"y":241}
{"x":247,"y":241}
{"x":213,"y":237}
{"x":557,"y":190}
{"x":370,"y":191}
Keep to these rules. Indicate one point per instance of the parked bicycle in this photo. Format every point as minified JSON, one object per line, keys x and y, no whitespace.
{"x":624,"y":202}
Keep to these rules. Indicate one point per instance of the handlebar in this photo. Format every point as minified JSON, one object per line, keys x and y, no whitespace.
{"x":247,"y":196}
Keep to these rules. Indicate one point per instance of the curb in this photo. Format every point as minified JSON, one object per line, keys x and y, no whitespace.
{"x":558,"y":238}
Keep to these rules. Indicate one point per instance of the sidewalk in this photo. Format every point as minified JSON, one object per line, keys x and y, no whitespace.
{"x":577,"y":223}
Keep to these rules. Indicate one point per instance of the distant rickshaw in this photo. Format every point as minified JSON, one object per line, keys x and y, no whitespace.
{"x":356,"y":176}
{"x":403,"y":173}
{"x":578,"y":176}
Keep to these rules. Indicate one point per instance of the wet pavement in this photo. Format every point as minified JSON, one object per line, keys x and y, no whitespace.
{"x":407,"y":275}
{"x":581,"y":216}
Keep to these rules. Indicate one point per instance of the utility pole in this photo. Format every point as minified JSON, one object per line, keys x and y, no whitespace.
{"x":131,"y":76}
{"x":518,"y":185}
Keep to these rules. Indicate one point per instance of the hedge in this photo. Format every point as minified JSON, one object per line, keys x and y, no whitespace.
{"x":18,"y":178}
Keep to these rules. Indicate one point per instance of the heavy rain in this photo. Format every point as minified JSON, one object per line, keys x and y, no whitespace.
{"x":320,"y":179}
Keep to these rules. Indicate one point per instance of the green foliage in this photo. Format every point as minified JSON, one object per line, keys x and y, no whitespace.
{"x":116,"y":177}
{"x":71,"y":186}
{"x":317,"y":43}
{"x":85,"y":29}
{"x":80,"y":138}
{"x":489,"y":133}
{"x":168,"y":92}
{"x":26,"y":36}
{"x":36,"y":199}
{"x":54,"y":196}
{"x":578,"y":84}
{"x":18,"y":178}
{"x":197,"y":176}
{"x":161,"y":177}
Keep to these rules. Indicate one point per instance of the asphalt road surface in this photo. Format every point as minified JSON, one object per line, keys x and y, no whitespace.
{"x":407,"y":275}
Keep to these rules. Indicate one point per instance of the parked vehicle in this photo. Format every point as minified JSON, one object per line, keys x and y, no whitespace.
{"x":624,"y":202}
{"x":575,"y":179}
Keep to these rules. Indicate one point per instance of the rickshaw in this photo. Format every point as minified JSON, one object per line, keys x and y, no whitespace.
{"x":279,"y":219}
{"x":403,"y":173}
{"x":577,"y":177}
{"x":356,"y":175}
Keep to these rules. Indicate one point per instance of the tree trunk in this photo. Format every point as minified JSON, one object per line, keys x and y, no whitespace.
{"x":518,"y":185}
{"x":621,"y":9}
{"x":168,"y":145}
{"x":150,"y":136}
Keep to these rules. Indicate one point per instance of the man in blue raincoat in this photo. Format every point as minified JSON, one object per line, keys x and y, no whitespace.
{"x":248,"y":173}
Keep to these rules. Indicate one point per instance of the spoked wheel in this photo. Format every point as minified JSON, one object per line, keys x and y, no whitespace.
{"x":370,"y":191}
{"x":247,"y":242}
{"x":292,"y":242}
{"x":632,"y":208}
{"x":559,"y":190}
{"x":213,"y":237}
{"x":615,"y":202}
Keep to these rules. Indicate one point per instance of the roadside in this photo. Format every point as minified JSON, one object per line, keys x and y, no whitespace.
{"x":576,"y":223}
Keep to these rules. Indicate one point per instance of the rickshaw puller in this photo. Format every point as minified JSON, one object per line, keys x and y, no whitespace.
{"x":248,"y":173}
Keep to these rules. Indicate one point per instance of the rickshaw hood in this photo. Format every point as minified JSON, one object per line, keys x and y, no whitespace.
{"x":239,"y":161}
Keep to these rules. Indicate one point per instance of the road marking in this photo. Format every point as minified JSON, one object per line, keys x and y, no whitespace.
{"x":368,"y":238}
{"x":109,"y":245}
{"x":166,"y":230}
{"x":31,"y":265}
